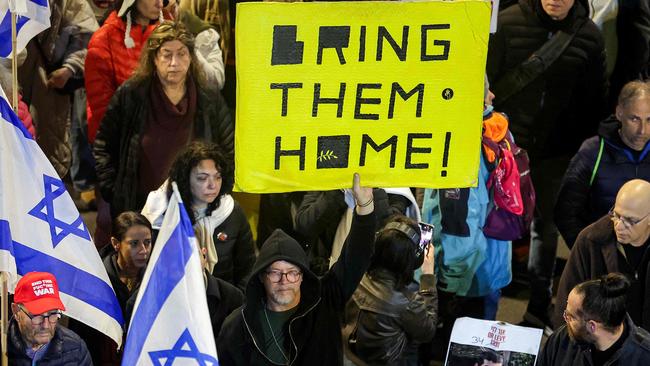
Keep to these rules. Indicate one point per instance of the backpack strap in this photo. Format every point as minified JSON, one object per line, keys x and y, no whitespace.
{"x":518,"y":78}
{"x":600,"y":154}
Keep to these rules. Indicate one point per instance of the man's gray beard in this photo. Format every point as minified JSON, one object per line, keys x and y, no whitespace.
{"x":285,"y":299}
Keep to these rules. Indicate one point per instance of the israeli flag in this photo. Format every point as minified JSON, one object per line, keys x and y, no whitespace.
{"x":41,"y":230}
{"x":33,"y":18}
{"x":171,"y":323}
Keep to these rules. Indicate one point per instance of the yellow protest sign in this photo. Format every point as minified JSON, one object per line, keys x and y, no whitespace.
{"x":392,"y":90}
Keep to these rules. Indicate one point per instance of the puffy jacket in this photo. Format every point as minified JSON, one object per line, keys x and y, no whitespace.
{"x":109,"y":64}
{"x":580,"y":202}
{"x":561,"y":350}
{"x":118,"y":141}
{"x":554,"y":113}
{"x":65,"y":349}
{"x":385,"y":324}
{"x":314,"y":330}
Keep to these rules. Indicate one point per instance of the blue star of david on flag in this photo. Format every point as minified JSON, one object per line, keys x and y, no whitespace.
{"x":44,"y":210}
{"x":179,"y":351}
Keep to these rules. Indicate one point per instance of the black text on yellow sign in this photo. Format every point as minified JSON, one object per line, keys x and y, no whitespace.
{"x":392,"y":90}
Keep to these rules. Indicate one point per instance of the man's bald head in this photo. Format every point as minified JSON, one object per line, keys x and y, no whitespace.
{"x":637,"y":191}
{"x":631,"y":211}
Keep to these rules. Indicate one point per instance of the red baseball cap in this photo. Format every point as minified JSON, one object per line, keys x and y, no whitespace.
{"x":38,"y":292}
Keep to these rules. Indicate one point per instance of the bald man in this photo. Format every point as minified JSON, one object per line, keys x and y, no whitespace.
{"x":617,"y":242}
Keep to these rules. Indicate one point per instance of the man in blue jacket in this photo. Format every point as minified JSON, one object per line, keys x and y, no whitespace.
{"x":605,"y":162}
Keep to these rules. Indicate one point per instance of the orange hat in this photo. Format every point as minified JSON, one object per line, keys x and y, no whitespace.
{"x":38,"y":292}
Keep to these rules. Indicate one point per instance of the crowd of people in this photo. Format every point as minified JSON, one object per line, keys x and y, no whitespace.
{"x":127,"y":96}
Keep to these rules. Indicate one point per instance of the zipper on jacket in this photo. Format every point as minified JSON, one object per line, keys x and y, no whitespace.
{"x":291,"y":322}
{"x":290,"y":335}
{"x":255,"y":342}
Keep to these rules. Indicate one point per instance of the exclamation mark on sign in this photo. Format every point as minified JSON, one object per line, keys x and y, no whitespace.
{"x":445,"y":154}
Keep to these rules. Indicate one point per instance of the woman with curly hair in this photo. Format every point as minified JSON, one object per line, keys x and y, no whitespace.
{"x":204,"y":176}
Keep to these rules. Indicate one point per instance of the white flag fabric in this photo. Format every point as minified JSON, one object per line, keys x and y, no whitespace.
{"x":42,"y":230}
{"x":34,"y":17}
{"x":171,"y":324}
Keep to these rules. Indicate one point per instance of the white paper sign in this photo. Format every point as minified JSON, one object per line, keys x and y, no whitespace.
{"x":486,"y":342}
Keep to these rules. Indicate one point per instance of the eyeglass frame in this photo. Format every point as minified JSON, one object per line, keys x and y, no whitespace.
{"x":57,"y":313}
{"x":284,"y":274}
{"x":625,"y":220}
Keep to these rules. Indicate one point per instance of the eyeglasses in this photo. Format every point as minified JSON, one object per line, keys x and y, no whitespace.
{"x":567,"y":317}
{"x":627,"y":222}
{"x":276,"y":276}
{"x":53,"y":317}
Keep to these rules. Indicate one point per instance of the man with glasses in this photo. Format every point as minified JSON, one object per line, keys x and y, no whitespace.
{"x":598,"y":330}
{"x":290,"y":316}
{"x":34,"y":336}
{"x":618,"y":242}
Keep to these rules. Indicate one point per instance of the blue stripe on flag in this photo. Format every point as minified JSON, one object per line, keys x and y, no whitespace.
{"x":72,"y":281}
{"x":5,"y":237}
{"x":5,"y":32}
{"x":39,"y":2}
{"x":7,"y":113}
{"x":169,"y":270}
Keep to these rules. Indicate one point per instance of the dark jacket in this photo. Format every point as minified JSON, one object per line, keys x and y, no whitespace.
{"x":65,"y":349}
{"x":320,"y":212}
{"x":121,"y":290}
{"x":385,"y":324}
{"x":580,"y":203}
{"x":561,"y":350}
{"x":596,"y":253}
{"x":223,"y":299}
{"x":119,"y":138}
{"x":554,"y":113}
{"x":236,"y":250}
{"x":314,"y":330}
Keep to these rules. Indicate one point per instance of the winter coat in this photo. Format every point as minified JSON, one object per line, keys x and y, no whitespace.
{"x":314,"y":330}
{"x":580,"y":202}
{"x":554,"y":113}
{"x":62,"y":45}
{"x":561,"y":350}
{"x":65,"y":349}
{"x":597,"y":253}
{"x":236,"y":250}
{"x":386,"y":324}
{"x":118,"y":142}
{"x":223,"y":298}
{"x":471,"y":264}
{"x":109,"y":64}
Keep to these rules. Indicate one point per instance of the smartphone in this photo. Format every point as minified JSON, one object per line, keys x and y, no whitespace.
{"x":426,"y":235}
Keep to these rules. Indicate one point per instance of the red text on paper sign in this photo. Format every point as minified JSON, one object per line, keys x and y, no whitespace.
{"x":496,"y":335}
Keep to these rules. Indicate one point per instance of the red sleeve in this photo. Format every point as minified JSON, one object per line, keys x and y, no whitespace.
{"x":99,"y":79}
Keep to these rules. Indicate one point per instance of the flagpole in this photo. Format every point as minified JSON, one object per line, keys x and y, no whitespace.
{"x":4,"y":313}
{"x":14,"y":66}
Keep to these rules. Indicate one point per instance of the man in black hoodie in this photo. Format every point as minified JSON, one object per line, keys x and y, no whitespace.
{"x":291,"y":317}
{"x":551,"y":114}
{"x":605,"y":162}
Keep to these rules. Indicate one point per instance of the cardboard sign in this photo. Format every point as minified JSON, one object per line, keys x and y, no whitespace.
{"x":392,"y":90}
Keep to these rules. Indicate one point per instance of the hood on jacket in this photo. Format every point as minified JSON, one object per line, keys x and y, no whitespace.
{"x":280,"y":247}
{"x":608,"y":129}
